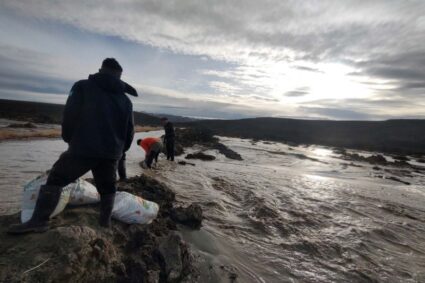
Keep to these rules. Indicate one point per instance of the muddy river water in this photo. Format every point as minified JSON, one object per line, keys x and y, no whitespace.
{"x":283,"y":214}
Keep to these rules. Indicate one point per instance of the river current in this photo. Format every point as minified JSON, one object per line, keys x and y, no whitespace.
{"x":283,"y":214}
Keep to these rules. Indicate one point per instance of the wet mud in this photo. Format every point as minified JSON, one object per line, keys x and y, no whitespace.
{"x":77,"y":249}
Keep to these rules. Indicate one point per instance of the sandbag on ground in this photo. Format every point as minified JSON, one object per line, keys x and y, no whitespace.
{"x":128,"y":208}
{"x":131,"y":209}
{"x":30,"y":196}
{"x":83,"y":193}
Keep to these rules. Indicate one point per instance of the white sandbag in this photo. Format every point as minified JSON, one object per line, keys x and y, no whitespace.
{"x":30,"y":196}
{"x":131,"y":209}
{"x":83,"y":193}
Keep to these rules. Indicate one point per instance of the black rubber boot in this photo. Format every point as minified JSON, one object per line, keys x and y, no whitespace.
{"x":47,"y":201}
{"x":106,"y":206}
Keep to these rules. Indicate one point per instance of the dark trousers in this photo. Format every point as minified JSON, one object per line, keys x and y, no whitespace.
{"x":151,"y":156}
{"x":169,"y":143}
{"x":70,"y":167}
{"x":121,"y":168}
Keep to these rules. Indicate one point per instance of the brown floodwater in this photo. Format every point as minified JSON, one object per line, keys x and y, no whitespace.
{"x":299,"y":214}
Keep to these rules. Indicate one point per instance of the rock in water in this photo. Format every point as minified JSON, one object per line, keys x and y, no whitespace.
{"x":204,"y":137}
{"x":190,"y":216}
{"x":200,"y":156}
{"x":229,"y":153}
{"x":182,"y":162}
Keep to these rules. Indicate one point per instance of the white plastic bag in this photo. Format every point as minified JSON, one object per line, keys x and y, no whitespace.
{"x":30,"y":196}
{"x":83,"y":193}
{"x":131,"y":209}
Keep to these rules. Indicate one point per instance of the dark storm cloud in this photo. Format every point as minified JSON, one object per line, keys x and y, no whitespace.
{"x":154,"y":101}
{"x":23,"y":74}
{"x":335,"y":113}
{"x":36,"y":83}
{"x":405,"y":70}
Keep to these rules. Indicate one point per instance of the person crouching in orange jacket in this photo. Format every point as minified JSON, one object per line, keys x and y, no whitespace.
{"x":152,"y":147}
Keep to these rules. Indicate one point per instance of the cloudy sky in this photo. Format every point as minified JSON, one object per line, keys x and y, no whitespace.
{"x":336,"y":59}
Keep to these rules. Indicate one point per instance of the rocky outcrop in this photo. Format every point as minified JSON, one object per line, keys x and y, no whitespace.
{"x":77,"y":249}
{"x":182,"y":162}
{"x":189,"y":137}
{"x":229,"y":153}
{"x":201,"y":156}
{"x":190,"y":216}
{"x":401,"y":158}
{"x":373,"y":159}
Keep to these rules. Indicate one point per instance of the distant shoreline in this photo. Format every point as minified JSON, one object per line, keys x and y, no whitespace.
{"x":10,"y":134}
{"x":403,"y":136}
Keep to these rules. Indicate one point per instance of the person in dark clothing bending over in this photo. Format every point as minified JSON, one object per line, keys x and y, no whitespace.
{"x":98,"y":126}
{"x":169,"y":138}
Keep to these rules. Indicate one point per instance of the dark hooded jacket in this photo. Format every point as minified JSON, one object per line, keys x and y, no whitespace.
{"x":98,"y":118}
{"x":169,"y":131}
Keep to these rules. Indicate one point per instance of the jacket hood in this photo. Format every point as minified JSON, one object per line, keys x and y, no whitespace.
{"x":112,"y":84}
{"x":107,"y":82}
{"x":129,"y":89}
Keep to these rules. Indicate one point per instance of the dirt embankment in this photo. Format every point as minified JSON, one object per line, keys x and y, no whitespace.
{"x":77,"y":249}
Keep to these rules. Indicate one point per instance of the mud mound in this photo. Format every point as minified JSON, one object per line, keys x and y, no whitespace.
{"x":401,"y":158}
{"x":150,"y":189}
{"x":374,"y":159}
{"x":182,"y":162}
{"x":190,"y":136}
{"x":201,"y":156}
{"x":297,"y":155}
{"x":229,"y":153}
{"x":77,"y":249}
{"x":400,"y":161}
{"x":190,"y":216}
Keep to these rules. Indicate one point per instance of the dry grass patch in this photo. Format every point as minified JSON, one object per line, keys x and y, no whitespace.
{"x":11,"y":134}
{"x":23,"y":133}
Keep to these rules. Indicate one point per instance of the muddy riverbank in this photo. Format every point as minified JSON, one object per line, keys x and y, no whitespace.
{"x":77,"y":249}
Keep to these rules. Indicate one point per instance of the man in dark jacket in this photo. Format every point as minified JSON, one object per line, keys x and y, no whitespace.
{"x":98,"y":127}
{"x":169,"y":138}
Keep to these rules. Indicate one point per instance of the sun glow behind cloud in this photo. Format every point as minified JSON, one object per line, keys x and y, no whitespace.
{"x":328,"y":59}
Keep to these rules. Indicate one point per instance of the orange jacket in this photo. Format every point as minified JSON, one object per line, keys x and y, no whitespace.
{"x":147,"y":143}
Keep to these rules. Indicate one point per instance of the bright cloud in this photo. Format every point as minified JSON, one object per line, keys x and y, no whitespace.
{"x":264,"y":58}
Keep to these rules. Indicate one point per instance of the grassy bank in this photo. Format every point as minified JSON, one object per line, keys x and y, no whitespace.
{"x":20,"y":133}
